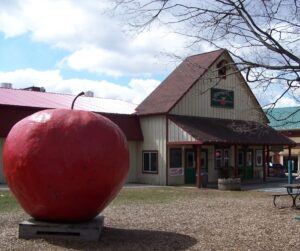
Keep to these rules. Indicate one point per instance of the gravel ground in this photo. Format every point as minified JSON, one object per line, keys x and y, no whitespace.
{"x":206,"y":220}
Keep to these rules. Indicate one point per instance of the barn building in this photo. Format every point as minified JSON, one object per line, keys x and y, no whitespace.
{"x":202,"y":122}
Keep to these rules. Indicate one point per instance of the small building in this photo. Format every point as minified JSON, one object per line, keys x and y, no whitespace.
{"x":286,"y":120}
{"x":201,"y":121}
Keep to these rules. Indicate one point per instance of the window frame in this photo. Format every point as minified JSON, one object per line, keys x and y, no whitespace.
{"x":259,"y":157}
{"x":222,"y":159}
{"x":181,"y":158}
{"x":222,"y":69}
{"x":150,"y":152}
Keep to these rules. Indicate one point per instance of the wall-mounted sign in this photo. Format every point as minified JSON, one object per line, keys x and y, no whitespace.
{"x":176,"y":171}
{"x":222,"y":98}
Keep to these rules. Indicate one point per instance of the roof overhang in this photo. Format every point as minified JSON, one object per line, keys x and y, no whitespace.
{"x":225,"y":131}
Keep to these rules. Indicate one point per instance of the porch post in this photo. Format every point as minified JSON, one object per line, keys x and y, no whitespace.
{"x":198,"y":167}
{"x":264,"y":163}
{"x":235,"y":162}
{"x":268,"y":157}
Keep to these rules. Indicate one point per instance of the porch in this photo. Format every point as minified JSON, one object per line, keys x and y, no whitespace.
{"x":201,"y":150}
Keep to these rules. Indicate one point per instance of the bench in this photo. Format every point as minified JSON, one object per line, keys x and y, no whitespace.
{"x":282,"y":194}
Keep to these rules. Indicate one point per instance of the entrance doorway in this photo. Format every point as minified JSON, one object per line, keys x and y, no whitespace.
{"x":190,"y":165}
{"x":245,"y":164}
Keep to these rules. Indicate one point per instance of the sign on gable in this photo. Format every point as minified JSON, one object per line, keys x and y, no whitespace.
{"x":222,"y":98}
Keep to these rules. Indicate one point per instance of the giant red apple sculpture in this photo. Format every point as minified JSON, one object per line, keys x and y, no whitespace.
{"x":65,"y":165}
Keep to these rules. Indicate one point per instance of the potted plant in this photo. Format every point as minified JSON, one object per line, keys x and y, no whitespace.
{"x":227,"y":181}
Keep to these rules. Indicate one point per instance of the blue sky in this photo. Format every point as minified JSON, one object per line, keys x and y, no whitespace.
{"x":72,"y":46}
{"x":20,"y":52}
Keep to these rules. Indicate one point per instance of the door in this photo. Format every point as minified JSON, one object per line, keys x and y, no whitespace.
{"x":190,"y":167}
{"x":249,"y":165}
{"x":245,"y":164}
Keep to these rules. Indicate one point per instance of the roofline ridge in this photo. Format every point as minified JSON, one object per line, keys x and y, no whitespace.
{"x":66,"y":94}
{"x":208,"y":52}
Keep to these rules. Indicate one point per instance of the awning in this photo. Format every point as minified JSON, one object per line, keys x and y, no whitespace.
{"x":225,"y":131}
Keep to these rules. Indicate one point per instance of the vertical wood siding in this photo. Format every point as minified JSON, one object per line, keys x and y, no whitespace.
{"x":132,"y":174}
{"x":2,"y":180}
{"x":197,"y":101}
{"x":154,"y":132}
{"x":176,"y":134}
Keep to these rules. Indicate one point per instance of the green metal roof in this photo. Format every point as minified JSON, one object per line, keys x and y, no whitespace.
{"x":284,"y":118}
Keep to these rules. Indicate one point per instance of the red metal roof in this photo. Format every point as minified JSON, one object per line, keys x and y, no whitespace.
{"x":225,"y":131}
{"x":177,"y":84}
{"x":17,"y":104}
{"x":35,"y":99}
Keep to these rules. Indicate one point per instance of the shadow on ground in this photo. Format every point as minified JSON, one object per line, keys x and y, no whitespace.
{"x":128,"y":239}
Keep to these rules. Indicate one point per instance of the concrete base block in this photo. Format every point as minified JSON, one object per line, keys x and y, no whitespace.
{"x":83,"y":231}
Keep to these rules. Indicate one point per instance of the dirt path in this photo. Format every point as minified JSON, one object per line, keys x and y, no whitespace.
{"x":195,"y":220}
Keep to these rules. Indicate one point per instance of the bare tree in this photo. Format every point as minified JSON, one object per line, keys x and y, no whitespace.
{"x":263,"y":36}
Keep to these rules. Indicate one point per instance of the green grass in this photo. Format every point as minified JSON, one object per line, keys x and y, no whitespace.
{"x":8,"y":202}
{"x":147,"y":195}
{"x":173,"y":194}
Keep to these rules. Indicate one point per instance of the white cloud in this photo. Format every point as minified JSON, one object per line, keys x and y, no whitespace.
{"x":96,"y":41}
{"x":135,"y":92}
{"x":287,"y":102}
{"x":112,"y":63}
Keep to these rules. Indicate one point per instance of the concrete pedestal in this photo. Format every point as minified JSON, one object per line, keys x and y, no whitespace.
{"x":83,"y":231}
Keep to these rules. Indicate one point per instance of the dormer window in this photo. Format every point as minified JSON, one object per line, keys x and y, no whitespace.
{"x":222,"y":69}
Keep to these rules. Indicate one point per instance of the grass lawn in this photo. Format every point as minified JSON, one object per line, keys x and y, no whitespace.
{"x":136,"y":196}
{"x":153,"y":195}
{"x":8,"y":202}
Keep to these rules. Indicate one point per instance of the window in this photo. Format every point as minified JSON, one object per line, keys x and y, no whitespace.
{"x":218,"y":158}
{"x":249,"y":161}
{"x":175,"y":158}
{"x":258,"y":157}
{"x":150,"y":162}
{"x":222,"y":69}
{"x":222,"y":158}
{"x":226,"y":158}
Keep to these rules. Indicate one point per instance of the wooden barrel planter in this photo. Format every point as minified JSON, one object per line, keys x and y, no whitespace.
{"x":233,"y":184}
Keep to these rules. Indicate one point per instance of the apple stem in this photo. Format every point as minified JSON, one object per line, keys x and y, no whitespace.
{"x":80,"y":94}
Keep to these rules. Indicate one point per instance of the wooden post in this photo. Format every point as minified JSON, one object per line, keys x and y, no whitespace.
{"x":198,"y":167}
{"x":264,"y":163}
{"x":235,"y":170}
{"x":268,"y":157}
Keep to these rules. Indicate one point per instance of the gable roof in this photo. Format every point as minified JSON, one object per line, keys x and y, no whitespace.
{"x":181,"y":80}
{"x":177,"y":84}
{"x":284,"y":118}
{"x":45,"y":100}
